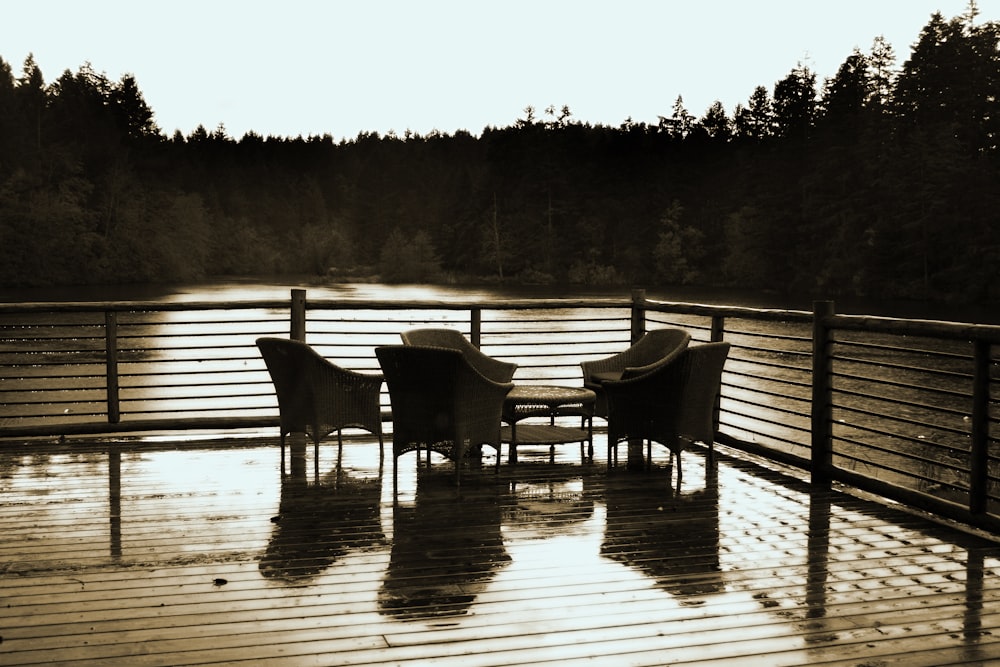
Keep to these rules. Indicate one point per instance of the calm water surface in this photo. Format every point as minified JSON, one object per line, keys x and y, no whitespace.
{"x":253,"y":289}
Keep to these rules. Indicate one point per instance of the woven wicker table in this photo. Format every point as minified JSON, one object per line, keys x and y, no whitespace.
{"x":548,"y":401}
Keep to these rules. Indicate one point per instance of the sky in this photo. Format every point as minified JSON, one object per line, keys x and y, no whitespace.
{"x":293,"y":68}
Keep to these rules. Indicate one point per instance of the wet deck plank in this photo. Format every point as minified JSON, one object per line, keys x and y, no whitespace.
{"x":204,"y":556}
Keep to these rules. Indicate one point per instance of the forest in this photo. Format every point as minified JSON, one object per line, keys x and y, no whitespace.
{"x":881,"y":181}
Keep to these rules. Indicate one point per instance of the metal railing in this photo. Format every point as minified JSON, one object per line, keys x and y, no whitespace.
{"x":903,"y":408}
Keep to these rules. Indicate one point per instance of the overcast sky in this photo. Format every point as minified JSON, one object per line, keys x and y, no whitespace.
{"x":313,"y":67}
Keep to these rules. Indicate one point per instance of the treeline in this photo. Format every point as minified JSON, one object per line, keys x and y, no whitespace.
{"x":883,"y":180}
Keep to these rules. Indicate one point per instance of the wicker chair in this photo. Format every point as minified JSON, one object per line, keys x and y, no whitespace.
{"x":494,"y":369}
{"x":654,"y":347}
{"x":441,"y":402}
{"x":317,"y":397}
{"x":673,"y":404}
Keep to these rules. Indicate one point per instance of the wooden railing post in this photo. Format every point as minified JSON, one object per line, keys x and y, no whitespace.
{"x":638,"y":314}
{"x":822,"y":399}
{"x":111,"y":365}
{"x":636,"y":457}
{"x":718,"y":332}
{"x":476,"y":326}
{"x":717,"y":335}
{"x":980,"y":436}
{"x":298,"y":324}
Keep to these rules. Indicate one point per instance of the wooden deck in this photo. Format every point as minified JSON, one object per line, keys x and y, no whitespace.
{"x":161,"y":554}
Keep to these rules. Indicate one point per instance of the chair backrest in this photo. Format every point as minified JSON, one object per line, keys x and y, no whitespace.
{"x":422,"y":386}
{"x":702,"y":367}
{"x":638,"y":359}
{"x":495,"y":369}
{"x":287,"y":362}
{"x":663,"y":352}
{"x":439,"y":399}
{"x":656,"y":344}
{"x":316,"y":395}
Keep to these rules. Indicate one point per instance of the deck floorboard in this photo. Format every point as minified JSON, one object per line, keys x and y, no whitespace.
{"x":203,"y":554}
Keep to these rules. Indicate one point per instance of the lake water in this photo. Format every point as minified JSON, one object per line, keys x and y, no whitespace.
{"x":256,"y":289}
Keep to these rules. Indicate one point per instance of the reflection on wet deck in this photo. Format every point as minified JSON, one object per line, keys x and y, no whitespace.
{"x":204,"y":555}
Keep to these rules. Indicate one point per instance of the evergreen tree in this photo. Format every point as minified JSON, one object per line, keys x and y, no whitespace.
{"x":794,"y":104}
{"x":756,"y":120}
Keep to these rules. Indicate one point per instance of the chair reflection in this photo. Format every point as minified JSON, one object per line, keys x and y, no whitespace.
{"x":320,"y":523}
{"x":670,"y":536}
{"x":446,"y":547}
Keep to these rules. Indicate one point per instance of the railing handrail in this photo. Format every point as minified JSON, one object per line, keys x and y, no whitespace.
{"x":936,"y":328}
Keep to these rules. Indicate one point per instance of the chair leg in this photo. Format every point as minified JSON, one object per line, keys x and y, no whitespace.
{"x":395,"y":477}
{"x":590,"y":439}
{"x":340,"y":448}
{"x":316,"y":459}
{"x":282,"y":453}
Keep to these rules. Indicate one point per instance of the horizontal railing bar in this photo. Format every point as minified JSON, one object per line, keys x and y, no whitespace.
{"x":771,"y":408}
{"x":651,"y":318}
{"x":772,"y":421}
{"x":189,"y":386}
{"x":47,"y":379}
{"x":924,"y":443}
{"x":864,"y":379}
{"x":905,"y":367}
{"x":762,"y":419}
{"x":902,"y":420}
{"x":901,"y":471}
{"x":135,"y":425}
{"x":773,"y":365}
{"x":764,"y":390}
{"x":904,"y":473}
{"x":896,"y":453}
{"x":765,"y":452}
{"x":48,"y":307}
{"x":760,"y":448}
{"x":768,"y":436}
{"x":896,"y":401}
{"x":805,"y":356}
{"x":766,"y":335}
{"x":760,"y":391}
{"x":914,"y":351}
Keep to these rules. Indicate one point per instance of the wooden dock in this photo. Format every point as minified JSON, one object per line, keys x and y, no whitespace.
{"x":170,"y":553}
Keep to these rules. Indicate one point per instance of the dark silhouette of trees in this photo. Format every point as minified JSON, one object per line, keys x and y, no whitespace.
{"x":881,"y":181}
